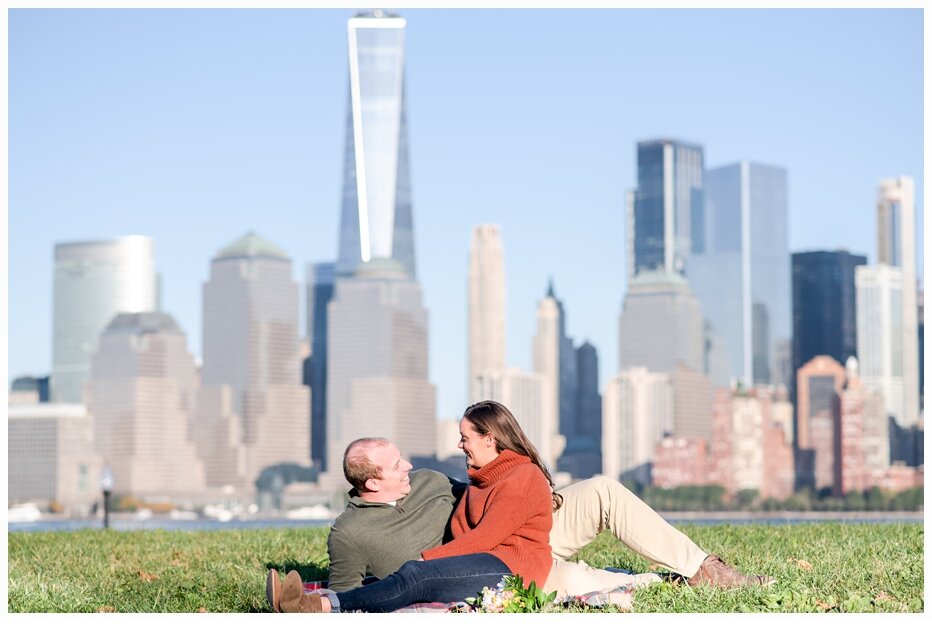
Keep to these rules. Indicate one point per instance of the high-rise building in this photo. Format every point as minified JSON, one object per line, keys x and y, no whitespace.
{"x":51,"y":456}
{"x":582,"y":457}
{"x":665,"y":213}
{"x":318,"y":293}
{"x":486,"y":308}
{"x":95,"y":280}
{"x":742,"y":277}
{"x":377,"y":364}
{"x":880,"y":339}
{"x":253,"y":409}
{"x":376,"y":218}
{"x":142,"y":395}
{"x":637,"y":411}
{"x":554,"y":358}
{"x":661,"y":324}
{"x":818,"y":393}
{"x":824,"y":313}
{"x":896,"y":246}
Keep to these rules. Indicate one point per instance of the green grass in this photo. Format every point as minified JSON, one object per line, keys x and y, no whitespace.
{"x":819,"y":568}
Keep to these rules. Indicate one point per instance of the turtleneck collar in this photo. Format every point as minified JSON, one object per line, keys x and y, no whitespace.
{"x":506,"y":461}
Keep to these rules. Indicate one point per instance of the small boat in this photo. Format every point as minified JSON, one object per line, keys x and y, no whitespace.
{"x":25,"y":513}
{"x":312,"y":512}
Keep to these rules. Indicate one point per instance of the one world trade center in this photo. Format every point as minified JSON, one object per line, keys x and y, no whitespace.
{"x":376,"y":218}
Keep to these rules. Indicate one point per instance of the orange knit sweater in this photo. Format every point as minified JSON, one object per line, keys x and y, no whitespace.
{"x":507,"y":512}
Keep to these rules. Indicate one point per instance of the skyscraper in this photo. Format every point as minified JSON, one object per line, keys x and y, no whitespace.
{"x":377,"y":364}
{"x":880,"y":339}
{"x":665,"y":214}
{"x":95,"y":280}
{"x":318,"y":292}
{"x":742,"y":277}
{"x":553,"y":357}
{"x":142,"y":396}
{"x":376,"y":218}
{"x":896,"y":246}
{"x":486,"y":308}
{"x":824,"y":313}
{"x":661,"y":324}
{"x":253,"y":409}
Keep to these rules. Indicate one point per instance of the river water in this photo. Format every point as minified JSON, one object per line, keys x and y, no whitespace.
{"x":123,"y":522}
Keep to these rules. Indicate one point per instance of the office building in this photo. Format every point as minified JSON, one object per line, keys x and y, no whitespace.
{"x":665,"y":213}
{"x":824,"y":312}
{"x":637,"y":412}
{"x":318,"y":293}
{"x":742,"y":276}
{"x":819,"y":387}
{"x":51,"y":457}
{"x":486,"y":308}
{"x":253,"y":410}
{"x":95,"y":280}
{"x":661,"y":325}
{"x":377,"y":365}
{"x":376,"y":217}
{"x":880,"y":339}
{"x":582,"y":455}
{"x":896,"y":246}
{"x":142,"y":395}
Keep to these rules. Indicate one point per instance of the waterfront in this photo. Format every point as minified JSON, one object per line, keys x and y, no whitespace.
{"x":129,"y":522}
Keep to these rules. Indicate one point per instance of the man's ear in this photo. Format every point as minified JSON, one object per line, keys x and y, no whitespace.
{"x":372,"y":485}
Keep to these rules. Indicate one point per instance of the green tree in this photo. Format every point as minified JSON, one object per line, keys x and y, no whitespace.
{"x":745,"y":498}
{"x":876,"y":499}
{"x":854,"y":500}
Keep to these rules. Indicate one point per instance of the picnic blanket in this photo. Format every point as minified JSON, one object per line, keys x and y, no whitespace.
{"x":620,"y":596}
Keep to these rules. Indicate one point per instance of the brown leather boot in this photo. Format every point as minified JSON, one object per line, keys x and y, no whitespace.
{"x":273,"y":590}
{"x":293,"y":599}
{"x":716,"y":572}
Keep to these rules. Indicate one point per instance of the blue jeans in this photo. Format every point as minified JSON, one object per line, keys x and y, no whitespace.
{"x":442,"y":580}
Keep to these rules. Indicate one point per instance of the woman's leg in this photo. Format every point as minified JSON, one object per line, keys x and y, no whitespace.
{"x":442,"y":580}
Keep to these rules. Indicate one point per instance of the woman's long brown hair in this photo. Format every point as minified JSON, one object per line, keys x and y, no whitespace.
{"x":490,"y":417}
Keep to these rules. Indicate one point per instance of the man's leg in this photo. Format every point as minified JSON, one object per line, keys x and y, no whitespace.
{"x":602,"y":503}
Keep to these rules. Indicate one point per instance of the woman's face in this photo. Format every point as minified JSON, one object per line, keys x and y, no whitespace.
{"x":479,"y":449}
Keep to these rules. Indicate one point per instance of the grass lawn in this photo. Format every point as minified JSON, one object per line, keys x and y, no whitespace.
{"x":819,"y":567}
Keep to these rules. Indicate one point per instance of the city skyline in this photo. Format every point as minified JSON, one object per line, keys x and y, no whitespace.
{"x":194,"y":160}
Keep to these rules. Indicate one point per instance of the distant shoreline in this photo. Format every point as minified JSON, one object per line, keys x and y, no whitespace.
{"x":795,"y":517}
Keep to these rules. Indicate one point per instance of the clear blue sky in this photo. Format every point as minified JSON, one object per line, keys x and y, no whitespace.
{"x":195,"y":126}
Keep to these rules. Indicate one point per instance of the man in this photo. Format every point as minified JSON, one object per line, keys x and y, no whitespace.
{"x":393,"y":514}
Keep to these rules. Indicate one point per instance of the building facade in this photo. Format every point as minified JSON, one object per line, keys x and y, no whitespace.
{"x":880,"y":339}
{"x":142,"y":396}
{"x":896,"y":246}
{"x":377,"y":364}
{"x":253,"y":409}
{"x":95,"y":280}
{"x":376,"y":218}
{"x":819,"y":386}
{"x":318,"y":293}
{"x":51,"y":456}
{"x":486,"y":287}
{"x":637,"y":412}
{"x":665,"y":213}
{"x":742,"y":276}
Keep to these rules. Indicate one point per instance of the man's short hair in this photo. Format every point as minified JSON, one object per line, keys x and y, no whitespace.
{"x":357,"y":467}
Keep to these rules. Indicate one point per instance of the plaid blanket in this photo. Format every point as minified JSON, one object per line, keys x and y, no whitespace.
{"x":619,"y":596}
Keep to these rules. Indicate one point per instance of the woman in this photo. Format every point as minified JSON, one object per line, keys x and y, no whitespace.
{"x":501,"y":526}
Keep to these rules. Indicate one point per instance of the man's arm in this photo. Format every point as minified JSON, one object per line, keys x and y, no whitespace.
{"x":348,"y":567}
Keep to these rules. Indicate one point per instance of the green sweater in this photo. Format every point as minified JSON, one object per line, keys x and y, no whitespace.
{"x":377,"y":538}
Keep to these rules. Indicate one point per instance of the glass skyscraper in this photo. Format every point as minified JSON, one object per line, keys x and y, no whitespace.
{"x":94,"y":281}
{"x":824,"y":313}
{"x":742,"y":277}
{"x":376,"y":217}
{"x":665,"y":213}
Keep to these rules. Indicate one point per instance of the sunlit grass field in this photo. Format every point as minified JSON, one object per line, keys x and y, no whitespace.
{"x":819,"y":567}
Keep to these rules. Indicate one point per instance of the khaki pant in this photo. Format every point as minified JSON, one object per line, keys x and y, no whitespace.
{"x":601,"y":503}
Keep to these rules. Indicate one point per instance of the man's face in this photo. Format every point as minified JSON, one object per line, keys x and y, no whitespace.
{"x":394,"y":483}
